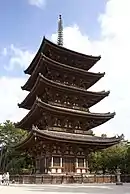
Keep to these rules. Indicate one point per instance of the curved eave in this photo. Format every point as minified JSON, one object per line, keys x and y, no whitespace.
{"x":30,"y":82}
{"x":79,"y":139}
{"x":35,"y":60}
{"x":45,"y":42}
{"x":39,"y":107}
{"x":66,"y":66}
{"x":25,"y":142}
{"x":42,"y":82}
{"x":63,"y":49}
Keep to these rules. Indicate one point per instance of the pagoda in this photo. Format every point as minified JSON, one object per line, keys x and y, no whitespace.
{"x":59,"y":120}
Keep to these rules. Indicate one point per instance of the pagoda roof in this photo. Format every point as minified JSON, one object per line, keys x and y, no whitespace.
{"x":46,"y":44}
{"x":94,"y":141}
{"x":42,"y":82}
{"x":92,"y":78}
{"x":40,"y":107}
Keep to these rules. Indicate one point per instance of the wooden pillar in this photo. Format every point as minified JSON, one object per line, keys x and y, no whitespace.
{"x":84,"y":163}
{"x":37,"y":165}
{"x":42,"y":164}
{"x":76,"y":162}
{"x":77,"y":170}
{"x":87,"y":168}
{"x":45,"y":161}
{"x":87,"y":164}
{"x":60,"y":161}
{"x":45,"y":165}
{"x":52,"y":161}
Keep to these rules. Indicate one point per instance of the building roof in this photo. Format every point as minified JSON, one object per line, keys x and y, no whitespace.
{"x":46,"y":45}
{"x":88,"y":77}
{"x":80,"y":139}
{"x":40,"y":107}
{"x":42,"y":83}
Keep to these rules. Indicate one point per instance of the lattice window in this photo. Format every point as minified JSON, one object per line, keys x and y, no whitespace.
{"x":56,"y":161}
{"x":80,"y":162}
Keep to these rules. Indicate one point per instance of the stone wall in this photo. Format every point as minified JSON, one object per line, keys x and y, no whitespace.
{"x":125,"y":178}
{"x":66,"y":179}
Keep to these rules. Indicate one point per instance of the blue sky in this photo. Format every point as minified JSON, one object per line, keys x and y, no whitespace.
{"x":92,"y":27}
{"x":23,"y":24}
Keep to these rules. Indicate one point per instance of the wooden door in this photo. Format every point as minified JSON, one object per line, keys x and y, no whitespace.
{"x":69,"y":164}
{"x":42,"y":165}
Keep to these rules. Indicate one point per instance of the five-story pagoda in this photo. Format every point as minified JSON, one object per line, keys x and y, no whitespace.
{"x":59,"y":120}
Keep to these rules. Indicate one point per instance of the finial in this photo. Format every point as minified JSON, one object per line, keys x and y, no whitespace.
{"x":60,"y":32}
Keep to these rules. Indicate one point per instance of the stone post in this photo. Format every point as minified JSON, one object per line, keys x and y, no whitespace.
{"x":118,"y":174}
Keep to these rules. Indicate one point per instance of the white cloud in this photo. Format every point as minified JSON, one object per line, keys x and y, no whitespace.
{"x":11,"y":94}
{"x":114,"y":46}
{"x":73,"y":39}
{"x":17,"y":57}
{"x":37,"y":3}
{"x":4,"y":52}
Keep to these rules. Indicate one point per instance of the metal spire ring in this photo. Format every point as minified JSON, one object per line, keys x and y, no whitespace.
{"x":60,"y":32}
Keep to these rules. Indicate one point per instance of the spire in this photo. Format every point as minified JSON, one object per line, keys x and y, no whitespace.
{"x":60,"y":32}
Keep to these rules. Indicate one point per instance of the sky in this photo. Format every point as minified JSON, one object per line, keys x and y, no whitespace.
{"x":92,"y":27}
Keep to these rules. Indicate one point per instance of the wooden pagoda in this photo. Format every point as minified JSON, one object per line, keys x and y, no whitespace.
{"x":59,"y":120}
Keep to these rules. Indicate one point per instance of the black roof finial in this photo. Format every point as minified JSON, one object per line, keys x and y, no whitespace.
{"x":60,"y":32}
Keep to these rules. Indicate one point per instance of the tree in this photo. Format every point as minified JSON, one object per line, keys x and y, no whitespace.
{"x":9,"y":135}
{"x":116,"y":157}
{"x":108,"y":160}
{"x":9,"y":158}
{"x":128,"y":160}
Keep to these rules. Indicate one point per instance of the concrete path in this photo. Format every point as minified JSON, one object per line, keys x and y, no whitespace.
{"x":66,"y":189}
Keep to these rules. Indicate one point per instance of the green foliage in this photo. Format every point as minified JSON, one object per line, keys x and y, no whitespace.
{"x":110,"y":159}
{"x":10,"y":160}
{"x":127,"y":160}
{"x":9,"y":135}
